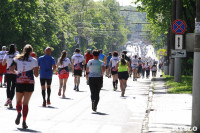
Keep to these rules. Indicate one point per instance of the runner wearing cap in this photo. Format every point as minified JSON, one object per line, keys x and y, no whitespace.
{"x":88,"y":56}
{"x":78,"y":62}
{"x":2,"y":68}
{"x":47,"y":65}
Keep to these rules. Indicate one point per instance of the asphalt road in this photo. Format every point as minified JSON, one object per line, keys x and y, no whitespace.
{"x":115,"y":114}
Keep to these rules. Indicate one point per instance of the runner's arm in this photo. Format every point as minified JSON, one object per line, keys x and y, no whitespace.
{"x":35,"y":70}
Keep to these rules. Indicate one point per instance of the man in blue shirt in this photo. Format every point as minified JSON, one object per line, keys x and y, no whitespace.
{"x":47,"y":65}
{"x":107,"y":65}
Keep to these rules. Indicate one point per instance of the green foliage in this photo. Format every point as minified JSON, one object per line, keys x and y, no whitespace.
{"x":184,"y":87}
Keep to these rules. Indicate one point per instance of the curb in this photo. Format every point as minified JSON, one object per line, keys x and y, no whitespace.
{"x":145,"y":128}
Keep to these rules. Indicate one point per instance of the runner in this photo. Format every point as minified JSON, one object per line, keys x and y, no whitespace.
{"x":123,"y":68}
{"x":10,"y":77}
{"x":134,"y":67}
{"x":143,"y":69}
{"x":154,"y":69}
{"x":107,"y":65}
{"x":88,"y":56}
{"x":129,"y":60}
{"x":102,"y":57}
{"x":114,"y":70}
{"x":147,"y":67}
{"x":96,"y":69}
{"x":63,"y":71}
{"x":2,"y":68}
{"x":77,"y":67}
{"x":46,"y":63}
{"x":139,"y":67}
{"x":26,"y":67}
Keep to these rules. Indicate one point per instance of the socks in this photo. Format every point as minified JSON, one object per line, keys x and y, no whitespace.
{"x":48,"y":93}
{"x":114,"y":84}
{"x":43,"y":95}
{"x":25,"y":112}
{"x":19,"y":108}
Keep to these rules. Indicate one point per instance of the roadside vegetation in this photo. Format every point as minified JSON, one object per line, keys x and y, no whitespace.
{"x":185,"y":87}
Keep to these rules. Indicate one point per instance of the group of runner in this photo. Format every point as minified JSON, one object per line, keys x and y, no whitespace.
{"x":20,"y":69}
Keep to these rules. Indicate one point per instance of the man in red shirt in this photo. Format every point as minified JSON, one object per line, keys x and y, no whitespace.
{"x":88,"y":56}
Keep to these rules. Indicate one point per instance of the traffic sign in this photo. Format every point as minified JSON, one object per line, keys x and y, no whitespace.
{"x":162,"y":52}
{"x":179,"y":53}
{"x":179,"y":26}
{"x":178,"y":41}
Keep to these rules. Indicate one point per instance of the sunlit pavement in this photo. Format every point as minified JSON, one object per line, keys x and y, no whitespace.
{"x":115,"y":114}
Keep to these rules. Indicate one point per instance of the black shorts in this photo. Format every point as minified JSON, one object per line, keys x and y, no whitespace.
{"x":123,"y":75}
{"x":24,"y":88}
{"x":77,"y":72}
{"x":43,"y":81}
{"x":114,"y":72}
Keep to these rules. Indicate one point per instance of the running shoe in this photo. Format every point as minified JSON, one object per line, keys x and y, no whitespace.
{"x":10,"y":105}
{"x":48,"y":102}
{"x":74,"y":87}
{"x":59,"y":92}
{"x":7,"y":102}
{"x":44,"y":104}
{"x":24,"y":126}
{"x":17,"y":121}
{"x":77,"y":88}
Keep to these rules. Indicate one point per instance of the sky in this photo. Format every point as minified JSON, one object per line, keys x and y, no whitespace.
{"x":124,"y":2}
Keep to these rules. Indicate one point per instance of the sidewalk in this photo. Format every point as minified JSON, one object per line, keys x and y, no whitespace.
{"x":168,"y":113}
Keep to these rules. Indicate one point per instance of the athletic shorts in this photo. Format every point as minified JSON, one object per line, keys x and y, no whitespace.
{"x":3,"y":68}
{"x":43,"y":81}
{"x":107,"y":67}
{"x":24,"y":88}
{"x":77,"y":72}
{"x":134,"y":67}
{"x":114,"y":72}
{"x":63,"y":76}
{"x":123,"y":75}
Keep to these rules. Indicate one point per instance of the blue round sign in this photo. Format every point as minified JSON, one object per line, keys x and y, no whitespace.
{"x":179,"y":26}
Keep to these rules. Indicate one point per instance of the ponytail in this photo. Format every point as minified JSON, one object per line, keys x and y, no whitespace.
{"x":26,"y":53}
{"x":123,"y":61}
{"x":62,"y":57}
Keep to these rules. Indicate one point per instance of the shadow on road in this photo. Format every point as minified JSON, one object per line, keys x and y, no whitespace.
{"x":28,"y":130}
{"x":99,"y":113}
{"x":50,"y":107}
{"x":13,"y":109}
{"x":66,"y":98}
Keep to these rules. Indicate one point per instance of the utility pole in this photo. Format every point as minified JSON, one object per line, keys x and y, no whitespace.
{"x":172,"y":40}
{"x":196,"y":72}
{"x":177,"y":67}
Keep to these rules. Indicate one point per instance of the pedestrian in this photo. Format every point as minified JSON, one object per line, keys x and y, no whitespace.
{"x":147,"y":68}
{"x":143,"y":70}
{"x":88,"y":56}
{"x":154,"y":69}
{"x":114,"y":69}
{"x":63,"y":72}
{"x":10,"y":77}
{"x":134,"y":67}
{"x":96,"y":69}
{"x":123,"y":69}
{"x":27,"y":66}
{"x":129,"y":60}
{"x":102,"y":57}
{"x":46,"y":65}
{"x":78,"y":62}
{"x":2,"y":68}
{"x":107,"y":65}
{"x":139,"y":67}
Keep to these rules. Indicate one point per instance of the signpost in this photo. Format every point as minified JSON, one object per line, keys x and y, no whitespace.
{"x":179,"y":27}
{"x":181,"y":53}
{"x":179,"y":42}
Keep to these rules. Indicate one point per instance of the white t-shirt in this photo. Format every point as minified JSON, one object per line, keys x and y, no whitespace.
{"x":66,"y":62}
{"x":135,"y":61}
{"x":9,"y":58}
{"x":114,"y":61}
{"x":24,"y":66}
{"x":2,"y":54}
{"x":78,"y":58}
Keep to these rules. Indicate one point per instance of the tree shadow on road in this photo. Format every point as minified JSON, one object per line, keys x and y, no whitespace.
{"x":28,"y":130}
{"x":99,"y":113}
